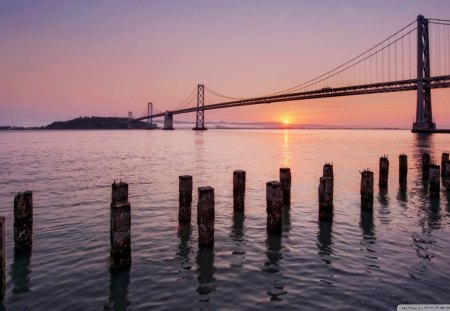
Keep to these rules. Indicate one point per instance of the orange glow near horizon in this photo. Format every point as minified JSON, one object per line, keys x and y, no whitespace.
{"x":57,"y":67}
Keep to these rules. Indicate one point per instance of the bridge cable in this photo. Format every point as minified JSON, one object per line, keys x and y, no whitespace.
{"x":186,"y":101}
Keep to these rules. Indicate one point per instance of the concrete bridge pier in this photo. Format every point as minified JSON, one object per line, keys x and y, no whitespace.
{"x":168,"y":121}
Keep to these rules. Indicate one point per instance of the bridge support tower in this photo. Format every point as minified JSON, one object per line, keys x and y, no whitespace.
{"x":168,"y":121}
{"x":150,"y":125}
{"x":200,"y":121}
{"x":424,"y":117}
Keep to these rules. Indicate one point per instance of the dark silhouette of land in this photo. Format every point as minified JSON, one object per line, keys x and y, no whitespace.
{"x":94,"y":123}
{"x":110,"y":123}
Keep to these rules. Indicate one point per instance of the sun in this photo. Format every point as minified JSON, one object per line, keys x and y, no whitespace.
{"x":286,"y":121}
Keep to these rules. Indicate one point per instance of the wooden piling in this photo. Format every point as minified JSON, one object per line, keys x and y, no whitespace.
{"x":185,"y":199}
{"x":426,"y":166}
{"x":326,"y":197}
{"x":447,"y":175}
{"x":120,"y":232}
{"x":205,"y":216}
{"x":328,"y":170}
{"x":435,"y":181}
{"x":23,"y":220}
{"x":403,"y":168}
{"x":384,"y":172}
{"x":274,"y":199}
{"x":285,"y":181}
{"x":444,"y":158}
{"x":366,"y":189}
{"x":2,"y":258}
{"x":239,"y":190}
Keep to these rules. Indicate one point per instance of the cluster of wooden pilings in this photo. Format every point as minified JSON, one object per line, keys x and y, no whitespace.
{"x":278,"y":194}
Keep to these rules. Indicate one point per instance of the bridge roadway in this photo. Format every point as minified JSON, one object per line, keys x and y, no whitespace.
{"x":385,"y":87}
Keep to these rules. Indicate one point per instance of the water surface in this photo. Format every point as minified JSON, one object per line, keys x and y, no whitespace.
{"x":360,"y":260}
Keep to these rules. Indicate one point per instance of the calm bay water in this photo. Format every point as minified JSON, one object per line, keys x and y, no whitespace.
{"x":399,"y":253}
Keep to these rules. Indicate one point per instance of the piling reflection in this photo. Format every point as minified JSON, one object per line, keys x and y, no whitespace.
{"x":237,"y":235}
{"x":402,"y":195}
{"x":434,"y":214}
{"x":273,"y":245}
{"x":286,"y":218}
{"x":424,"y":242}
{"x":368,"y":239}
{"x":384,"y":210}
{"x":447,"y":197}
{"x":118,"y":288}
{"x":20,"y":271}
{"x":205,"y":271}
{"x":237,"y":230}
{"x":184,"y":247}
{"x":324,"y":240}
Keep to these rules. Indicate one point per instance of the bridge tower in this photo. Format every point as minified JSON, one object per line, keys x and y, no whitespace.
{"x":130,"y":119}
{"x":150,"y":124}
{"x":424,"y":116}
{"x":200,"y":121}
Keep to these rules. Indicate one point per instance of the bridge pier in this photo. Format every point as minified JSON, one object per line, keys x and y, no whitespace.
{"x":168,"y":121}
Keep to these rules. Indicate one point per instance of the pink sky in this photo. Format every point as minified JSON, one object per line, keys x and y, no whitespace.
{"x":64,"y":59}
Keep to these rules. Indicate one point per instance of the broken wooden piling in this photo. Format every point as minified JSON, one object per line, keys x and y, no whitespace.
{"x":384,"y":172}
{"x":403,"y":168}
{"x":326,"y":186}
{"x":2,"y":258}
{"x":120,"y":232}
{"x":447,"y":175}
{"x":23,"y":220}
{"x":328,"y":170}
{"x":444,"y":158}
{"x":205,"y":216}
{"x":435,"y":181}
{"x":239,"y":177}
{"x":274,"y":209}
{"x":185,"y":199}
{"x":285,"y":181}
{"x":366,"y":189}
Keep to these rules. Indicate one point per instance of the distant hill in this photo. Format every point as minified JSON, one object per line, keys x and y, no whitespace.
{"x":94,"y":123}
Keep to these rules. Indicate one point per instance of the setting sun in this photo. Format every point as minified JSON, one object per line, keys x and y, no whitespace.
{"x":285,"y":121}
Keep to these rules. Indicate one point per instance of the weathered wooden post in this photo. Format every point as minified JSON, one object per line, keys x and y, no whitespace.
{"x":426,"y":166}
{"x":328,"y":170}
{"x":185,"y":199}
{"x":120,"y":233}
{"x":274,"y":199}
{"x":326,"y":197}
{"x":239,"y":190}
{"x":384,"y":172}
{"x":435,"y":181}
{"x":285,"y":181}
{"x":403,"y":168}
{"x":2,"y":258}
{"x":443,"y":159}
{"x":205,"y":216}
{"x":366,"y":189}
{"x":23,"y":220}
{"x":447,"y":175}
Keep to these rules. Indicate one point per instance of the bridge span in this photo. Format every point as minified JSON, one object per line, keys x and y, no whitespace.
{"x":384,"y":63}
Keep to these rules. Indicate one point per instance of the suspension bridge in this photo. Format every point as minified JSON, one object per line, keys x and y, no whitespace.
{"x":401,"y":62}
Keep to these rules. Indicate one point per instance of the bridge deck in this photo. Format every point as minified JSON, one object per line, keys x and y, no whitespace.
{"x":385,"y":87}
